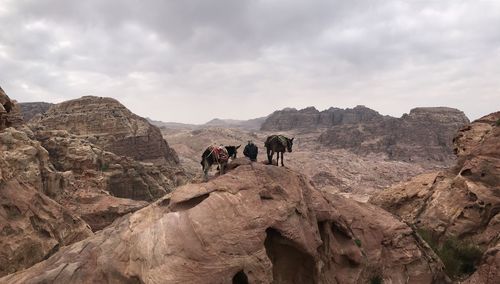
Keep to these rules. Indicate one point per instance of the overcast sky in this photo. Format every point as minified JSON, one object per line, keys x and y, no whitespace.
{"x":194,"y":60}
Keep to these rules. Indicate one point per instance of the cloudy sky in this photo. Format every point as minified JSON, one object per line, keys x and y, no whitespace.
{"x":194,"y":60}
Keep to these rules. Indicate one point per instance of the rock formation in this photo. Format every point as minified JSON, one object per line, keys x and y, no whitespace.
{"x":54,"y":184}
{"x":425,"y":134}
{"x":30,"y":110}
{"x":32,"y":226}
{"x":256,"y":224}
{"x":111,"y":126}
{"x":9,"y":111}
{"x":462,"y":202}
{"x":309,"y":118}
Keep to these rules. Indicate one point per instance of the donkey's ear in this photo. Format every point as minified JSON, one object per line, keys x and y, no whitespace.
{"x":292,"y":139}
{"x":238,"y":146}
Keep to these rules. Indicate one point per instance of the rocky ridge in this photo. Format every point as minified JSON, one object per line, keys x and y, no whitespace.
{"x":462,"y":202}
{"x":30,"y":110}
{"x":57,"y":187}
{"x":111,"y":126}
{"x":212,"y":233}
{"x":425,"y":134}
{"x":10,"y":114}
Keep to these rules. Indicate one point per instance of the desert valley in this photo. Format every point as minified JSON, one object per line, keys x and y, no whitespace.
{"x":93,"y":193}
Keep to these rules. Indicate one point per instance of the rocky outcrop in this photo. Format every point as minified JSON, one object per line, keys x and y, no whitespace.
{"x":425,"y":134}
{"x":310,"y":118}
{"x":111,"y":126}
{"x":256,"y":224}
{"x":32,"y":226}
{"x":30,"y":110}
{"x":102,"y":185}
{"x":462,"y":202}
{"x":10,"y":115}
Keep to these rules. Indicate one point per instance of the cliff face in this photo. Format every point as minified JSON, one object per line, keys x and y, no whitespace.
{"x":57,"y":187}
{"x":462,"y":202}
{"x":32,"y":225}
{"x":425,"y":134}
{"x":30,"y":110}
{"x":110,"y":125}
{"x":10,"y":113}
{"x":256,"y":224}
{"x":310,"y":117}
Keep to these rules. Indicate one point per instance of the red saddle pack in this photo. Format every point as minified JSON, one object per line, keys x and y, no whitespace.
{"x":220,"y":153}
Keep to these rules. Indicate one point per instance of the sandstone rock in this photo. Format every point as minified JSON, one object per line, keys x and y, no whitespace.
{"x":10,"y":115}
{"x":260,"y":223}
{"x":310,"y":117}
{"x":32,"y":226}
{"x":424,"y":135}
{"x":462,"y":202}
{"x":102,"y":185}
{"x":111,"y":126}
{"x":30,"y":110}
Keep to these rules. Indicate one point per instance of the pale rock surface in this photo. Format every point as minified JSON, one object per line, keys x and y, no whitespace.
{"x":265,"y":223}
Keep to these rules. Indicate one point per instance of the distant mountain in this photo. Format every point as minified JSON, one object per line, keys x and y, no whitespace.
{"x":424,"y":134}
{"x":251,"y":124}
{"x":172,"y":125}
{"x":29,"y":110}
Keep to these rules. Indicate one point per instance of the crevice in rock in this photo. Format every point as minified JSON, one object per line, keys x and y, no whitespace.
{"x":240,"y":278}
{"x":190,"y":203}
{"x":290,"y":264}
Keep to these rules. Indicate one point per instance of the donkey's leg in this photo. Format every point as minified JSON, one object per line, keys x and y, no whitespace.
{"x":269,"y":158}
{"x":206,"y":168}
{"x":222,"y":169}
{"x":282,"y":155}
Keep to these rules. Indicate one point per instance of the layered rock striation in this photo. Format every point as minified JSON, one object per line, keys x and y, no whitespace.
{"x":256,"y":224}
{"x":111,"y":126}
{"x":425,"y":134}
{"x":311,"y":118}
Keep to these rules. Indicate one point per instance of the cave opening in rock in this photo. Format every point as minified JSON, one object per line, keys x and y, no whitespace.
{"x":290,"y":263}
{"x":240,"y":278}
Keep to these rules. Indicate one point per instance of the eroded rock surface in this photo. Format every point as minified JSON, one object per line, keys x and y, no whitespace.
{"x":310,"y":118}
{"x":462,"y":202}
{"x":260,"y":223}
{"x":32,"y":226}
{"x":425,"y":134}
{"x":111,"y":126}
{"x":10,"y":114}
{"x":30,"y":110}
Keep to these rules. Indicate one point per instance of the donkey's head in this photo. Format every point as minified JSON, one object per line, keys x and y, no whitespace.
{"x":232,"y":151}
{"x":289,"y":144}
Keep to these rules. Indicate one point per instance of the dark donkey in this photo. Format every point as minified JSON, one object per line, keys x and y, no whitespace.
{"x":277,"y":144}
{"x":217,"y":155}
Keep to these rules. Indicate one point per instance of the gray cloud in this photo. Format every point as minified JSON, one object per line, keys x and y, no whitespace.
{"x":191,"y":61}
